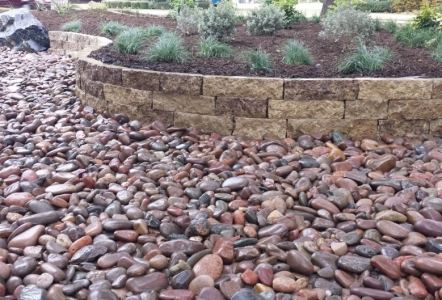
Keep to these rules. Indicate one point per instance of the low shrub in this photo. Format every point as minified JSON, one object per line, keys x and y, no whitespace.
{"x":168,"y":48}
{"x":377,"y":24}
{"x":288,"y":6}
{"x":144,"y":5}
{"x":390,"y":26}
{"x":375,"y":6}
{"x":177,"y":4}
{"x":112,"y":28}
{"x":363,"y":60}
{"x":265,"y":20}
{"x":135,"y":5}
{"x":187,"y":19}
{"x":259,"y":60}
{"x":218,"y":22}
{"x":414,"y":37}
{"x":348,"y":26}
{"x":427,"y":18}
{"x":96,"y":5}
{"x":437,"y":52}
{"x":295,"y":53}
{"x":411,"y":5}
{"x":155,"y":30}
{"x":72,"y":26}
{"x":315,"y":19}
{"x":211,"y":47}
{"x":131,"y":40}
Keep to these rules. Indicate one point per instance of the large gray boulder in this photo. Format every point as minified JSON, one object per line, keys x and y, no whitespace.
{"x":21,"y":31}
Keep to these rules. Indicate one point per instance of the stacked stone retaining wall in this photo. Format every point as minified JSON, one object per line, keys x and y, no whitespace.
{"x":253,"y":106}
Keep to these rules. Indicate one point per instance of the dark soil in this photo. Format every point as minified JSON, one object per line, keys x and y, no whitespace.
{"x":327,"y":54}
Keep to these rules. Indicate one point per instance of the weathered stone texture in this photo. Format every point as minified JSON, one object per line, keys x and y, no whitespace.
{"x":141,"y":80}
{"x":320,"y":89}
{"x":395,"y":89}
{"x":256,"y":128}
{"x":353,"y":128}
{"x":94,"y":88}
{"x":437,"y":89}
{"x":241,"y":107}
{"x":315,"y":109}
{"x":371,"y":110}
{"x":184,"y":103}
{"x":177,"y":83}
{"x":414,"y":109}
{"x":436,"y":127}
{"x":95,"y":102}
{"x":399,"y":127}
{"x":150,"y":115}
{"x":132,"y":111}
{"x":242,"y":87}
{"x":126,"y":96}
{"x":109,"y":74}
{"x":220,"y":125}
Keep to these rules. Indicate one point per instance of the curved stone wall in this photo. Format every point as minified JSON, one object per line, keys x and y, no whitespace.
{"x":254,"y":106}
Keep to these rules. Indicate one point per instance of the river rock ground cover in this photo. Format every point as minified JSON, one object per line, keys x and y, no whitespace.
{"x":327,"y":54}
{"x":94,"y":206}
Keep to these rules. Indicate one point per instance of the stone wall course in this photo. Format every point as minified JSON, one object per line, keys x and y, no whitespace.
{"x":241,"y":107}
{"x":312,"y":109}
{"x":184,"y":103}
{"x":372,"y":110}
{"x":399,"y":127}
{"x":256,"y":127}
{"x":220,"y":124}
{"x":320,"y":89}
{"x":395,"y":89}
{"x":177,"y":83}
{"x":414,"y":109}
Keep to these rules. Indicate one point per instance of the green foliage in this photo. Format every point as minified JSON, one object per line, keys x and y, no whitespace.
{"x":427,"y":18}
{"x":348,"y":26}
{"x":210,"y":47}
{"x":177,"y":4}
{"x":130,"y":40}
{"x":259,"y":60}
{"x":437,"y":52}
{"x":96,"y":5}
{"x":135,"y":5}
{"x":291,"y":14}
{"x":391,"y":26}
{"x":338,"y":3}
{"x":375,"y":6}
{"x":295,"y":53}
{"x":315,"y":19}
{"x":265,"y":20}
{"x":377,"y":24}
{"x":187,"y":19}
{"x":72,"y":26}
{"x":144,"y":5}
{"x":62,"y":9}
{"x":155,"y":30}
{"x":168,"y":48}
{"x":364,"y":60}
{"x":112,"y":28}
{"x":218,"y":22}
{"x":414,"y":37}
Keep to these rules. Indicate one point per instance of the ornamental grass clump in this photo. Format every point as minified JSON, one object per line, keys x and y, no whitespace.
{"x":362,"y":60}
{"x":259,"y":60}
{"x":218,"y":22}
{"x":212,"y":48}
{"x":391,"y":26}
{"x":348,"y":26}
{"x":295,"y":53}
{"x":414,"y":37}
{"x":265,"y":20}
{"x":112,"y":28}
{"x":72,"y":26}
{"x":168,"y":48}
{"x":131,"y":40}
{"x":155,"y":30}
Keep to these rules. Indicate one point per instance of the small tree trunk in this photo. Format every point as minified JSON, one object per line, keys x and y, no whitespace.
{"x":325,"y":6}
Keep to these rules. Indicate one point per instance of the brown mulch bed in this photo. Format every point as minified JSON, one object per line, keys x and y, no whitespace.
{"x":407,"y":62}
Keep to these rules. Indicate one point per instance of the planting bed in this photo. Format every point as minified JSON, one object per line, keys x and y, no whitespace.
{"x":407,"y":61}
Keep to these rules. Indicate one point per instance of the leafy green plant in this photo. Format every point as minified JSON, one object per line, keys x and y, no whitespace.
{"x":95,"y":5}
{"x":437,"y":52}
{"x":375,"y":6}
{"x":414,"y":37}
{"x":155,"y":30}
{"x":144,"y":5}
{"x":377,"y":24}
{"x":211,"y":47}
{"x":112,"y":28}
{"x":72,"y":26}
{"x":168,"y":48}
{"x":390,"y":26}
{"x":187,"y":19}
{"x":427,"y":18}
{"x":259,"y":60}
{"x":295,"y":53}
{"x":291,"y":14}
{"x":177,"y":4}
{"x":363,"y":60}
{"x":411,"y":5}
{"x":348,"y":26}
{"x":315,"y":19}
{"x":130,"y":40}
{"x":265,"y":20}
{"x":62,"y":9}
{"x":218,"y":22}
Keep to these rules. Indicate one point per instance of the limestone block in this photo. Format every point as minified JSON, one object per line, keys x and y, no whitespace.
{"x":353,"y":128}
{"x":241,"y":107}
{"x":243,"y":87}
{"x":436,"y":127}
{"x":141,"y":80}
{"x":221,"y":125}
{"x":312,"y":109}
{"x":94,"y":88}
{"x":437,"y":89}
{"x":414,"y":109}
{"x":109,"y":74}
{"x":256,"y":128}
{"x":134,"y":112}
{"x":395,"y":89}
{"x":127,"y":96}
{"x":178,"y":83}
{"x":150,"y":115}
{"x":95,"y":102}
{"x":184,"y":103}
{"x":372,"y":110}
{"x":320,"y":89}
{"x":399,"y":127}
